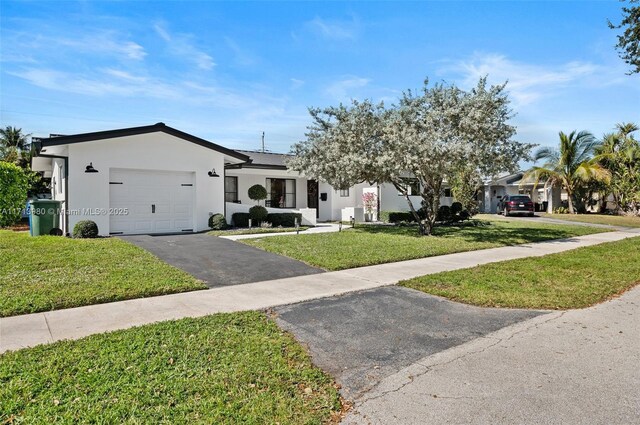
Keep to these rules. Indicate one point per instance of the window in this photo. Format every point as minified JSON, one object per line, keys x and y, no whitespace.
{"x":344,"y":193}
{"x":281,"y":193}
{"x":413,"y":187}
{"x":447,"y":193}
{"x":230,"y":189}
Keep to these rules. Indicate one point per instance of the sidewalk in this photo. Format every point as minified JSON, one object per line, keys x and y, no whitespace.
{"x":565,"y":367}
{"x":39,"y":328}
{"x":320,"y":228}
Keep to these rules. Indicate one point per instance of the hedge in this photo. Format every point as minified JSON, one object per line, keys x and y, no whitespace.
{"x":284,"y":219}
{"x":276,"y":219}
{"x":396,"y":216}
{"x":240,"y":219}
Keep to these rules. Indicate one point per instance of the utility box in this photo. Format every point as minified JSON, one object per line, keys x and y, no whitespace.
{"x":44,"y":217}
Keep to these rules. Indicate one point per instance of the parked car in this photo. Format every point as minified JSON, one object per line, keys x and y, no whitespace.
{"x":515,"y":204}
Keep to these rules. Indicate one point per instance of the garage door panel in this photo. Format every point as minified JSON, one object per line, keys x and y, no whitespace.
{"x":140,"y":190}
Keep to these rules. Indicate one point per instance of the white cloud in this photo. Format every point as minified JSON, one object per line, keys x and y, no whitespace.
{"x":182,"y":45}
{"x":241,"y":56}
{"x":345,"y":88}
{"x":296,"y":83}
{"x":334,"y":29}
{"x":527,"y":83}
{"x":24,"y":46}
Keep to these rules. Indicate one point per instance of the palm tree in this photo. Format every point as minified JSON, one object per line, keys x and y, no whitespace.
{"x":14,"y":146}
{"x":571,"y":165}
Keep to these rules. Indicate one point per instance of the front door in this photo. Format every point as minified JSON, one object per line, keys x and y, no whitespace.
{"x":312,"y":196}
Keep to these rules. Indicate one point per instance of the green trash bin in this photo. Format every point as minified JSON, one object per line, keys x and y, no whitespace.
{"x":44,"y":217}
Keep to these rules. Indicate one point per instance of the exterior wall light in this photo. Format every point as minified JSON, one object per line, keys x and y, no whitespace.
{"x":213,"y":173}
{"x":89,"y":168}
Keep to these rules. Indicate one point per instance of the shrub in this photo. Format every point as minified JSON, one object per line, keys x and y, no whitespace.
{"x":85,"y":229}
{"x":14,"y":184}
{"x":257,"y":192}
{"x":258,"y":213}
{"x":217,"y":222}
{"x":396,"y":216}
{"x":561,"y":210}
{"x":284,"y":219}
{"x":240,"y":219}
{"x":456,"y":208}
{"x":444,"y":213}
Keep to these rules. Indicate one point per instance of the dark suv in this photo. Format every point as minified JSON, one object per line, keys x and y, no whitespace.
{"x":515,"y":204}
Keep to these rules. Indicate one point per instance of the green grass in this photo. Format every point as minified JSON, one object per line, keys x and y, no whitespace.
{"x":255,"y":231}
{"x":613,"y":220}
{"x":226,"y":368}
{"x":571,"y":279}
{"x":372,"y":244}
{"x":47,"y":272}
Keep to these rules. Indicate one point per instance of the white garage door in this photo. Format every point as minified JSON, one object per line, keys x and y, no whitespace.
{"x":150,"y":201}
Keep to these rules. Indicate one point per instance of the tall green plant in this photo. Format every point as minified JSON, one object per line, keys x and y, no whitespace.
{"x":570,"y":166}
{"x":14,"y":184}
{"x":620,"y":154}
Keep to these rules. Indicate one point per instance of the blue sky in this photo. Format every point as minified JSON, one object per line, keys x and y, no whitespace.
{"x":228,"y":71}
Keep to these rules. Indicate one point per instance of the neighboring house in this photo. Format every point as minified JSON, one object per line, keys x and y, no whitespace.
{"x":151,"y":179}
{"x":545,"y":198}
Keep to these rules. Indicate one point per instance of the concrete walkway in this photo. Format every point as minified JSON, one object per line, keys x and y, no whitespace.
{"x":39,"y":328}
{"x":570,"y":367}
{"x":320,"y":228}
{"x":541,"y":219}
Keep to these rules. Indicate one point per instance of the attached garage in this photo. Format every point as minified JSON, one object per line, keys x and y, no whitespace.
{"x":141,"y":180}
{"x":142,"y":201}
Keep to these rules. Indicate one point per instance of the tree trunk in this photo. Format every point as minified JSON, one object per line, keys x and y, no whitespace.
{"x":431,"y":201}
{"x":570,"y":199}
{"x":415,"y":214}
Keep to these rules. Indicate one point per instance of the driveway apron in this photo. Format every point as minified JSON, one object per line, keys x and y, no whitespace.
{"x":362,"y":337}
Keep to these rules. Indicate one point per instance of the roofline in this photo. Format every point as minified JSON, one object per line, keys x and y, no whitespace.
{"x":133,"y":131}
{"x":254,"y":165}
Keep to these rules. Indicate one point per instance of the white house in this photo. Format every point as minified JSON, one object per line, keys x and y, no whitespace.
{"x":151,"y":179}
{"x":289,"y":189}
{"x":156,"y":179}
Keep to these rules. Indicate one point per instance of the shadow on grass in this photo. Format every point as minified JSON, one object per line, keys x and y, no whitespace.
{"x":479,"y":232}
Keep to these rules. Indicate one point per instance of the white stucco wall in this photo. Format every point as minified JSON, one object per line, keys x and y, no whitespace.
{"x":154,"y":151}
{"x":248,"y":177}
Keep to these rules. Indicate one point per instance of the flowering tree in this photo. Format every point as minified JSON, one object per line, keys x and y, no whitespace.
{"x":369,"y":202}
{"x":430,"y":136}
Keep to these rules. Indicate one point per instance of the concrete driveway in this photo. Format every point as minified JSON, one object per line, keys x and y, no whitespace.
{"x":219,"y":261}
{"x":362,"y":337}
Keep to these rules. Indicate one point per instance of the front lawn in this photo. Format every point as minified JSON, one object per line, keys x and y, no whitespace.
{"x":226,"y":368}
{"x":613,"y":220}
{"x":255,"y":231}
{"x":571,"y":279}
{"x":47,"y":272}
{"x":375,"y":244}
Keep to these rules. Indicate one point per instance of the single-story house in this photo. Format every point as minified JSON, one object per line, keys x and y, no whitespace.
{"x":157,"y":179}
{"x":150,"y":179}
{"x":545,"y":198}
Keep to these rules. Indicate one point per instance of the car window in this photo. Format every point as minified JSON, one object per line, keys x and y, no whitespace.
{"x":520,"y":198}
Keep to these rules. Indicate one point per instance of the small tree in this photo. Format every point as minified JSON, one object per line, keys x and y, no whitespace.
{"x":369,"y":202}
{"x":257,"y":192}
{"x":465,"y":184}
{"x":629,"y":42}
{"x":570,"y":166}
{"x":14,"y":184}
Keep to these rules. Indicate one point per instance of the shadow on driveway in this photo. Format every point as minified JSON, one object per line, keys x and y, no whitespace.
{"x":218,"y":261}
{"x":363,"y":337}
